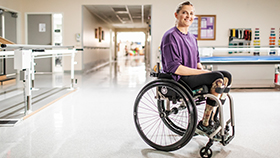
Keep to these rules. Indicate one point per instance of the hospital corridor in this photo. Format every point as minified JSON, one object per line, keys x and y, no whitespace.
{"x":139,"y":79}
{"x":96,"y":120}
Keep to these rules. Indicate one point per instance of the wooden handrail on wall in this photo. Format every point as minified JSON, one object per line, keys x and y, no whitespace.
{"x":5,"y":41}
{"x":3,"y":78}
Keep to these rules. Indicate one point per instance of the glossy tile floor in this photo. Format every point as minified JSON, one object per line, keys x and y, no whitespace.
{"x":96,"y":121}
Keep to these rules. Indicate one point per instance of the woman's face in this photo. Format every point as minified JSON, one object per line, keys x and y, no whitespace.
{"x":186,"y":16}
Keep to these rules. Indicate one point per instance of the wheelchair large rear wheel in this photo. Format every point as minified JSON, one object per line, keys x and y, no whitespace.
{"x":164,"y":127}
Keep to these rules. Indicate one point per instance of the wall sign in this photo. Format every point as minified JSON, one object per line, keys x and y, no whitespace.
{"x":193,"y":29}
{"x":42,"y":27}
{"x":207,"y":28}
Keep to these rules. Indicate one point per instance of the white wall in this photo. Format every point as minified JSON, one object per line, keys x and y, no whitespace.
{"x":241,"y":14}
{"x":230,"y":14}
{"x":94,"y":56}
{"x":11,"y":4}
{"x":15,"y":6}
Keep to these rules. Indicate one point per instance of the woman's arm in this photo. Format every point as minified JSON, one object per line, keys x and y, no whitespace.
{"x":199,"y":66}
{"x":186,"y":71}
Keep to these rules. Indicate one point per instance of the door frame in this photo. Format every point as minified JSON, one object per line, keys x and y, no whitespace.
{"x":18,"y":35}
{"x":18,"y":23}
{"x":42,"y":13}
{"x":52,"y":30}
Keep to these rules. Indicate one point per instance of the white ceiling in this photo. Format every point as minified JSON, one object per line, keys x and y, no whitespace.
{"x":123,"y":16}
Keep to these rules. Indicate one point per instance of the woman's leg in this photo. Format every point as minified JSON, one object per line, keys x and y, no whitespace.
{"x":212,"y":80}
{"x":227,"y":83}
{"x":211,"y":104}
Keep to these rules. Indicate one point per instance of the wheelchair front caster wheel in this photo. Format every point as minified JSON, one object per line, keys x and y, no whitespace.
{"x":205,"y":153}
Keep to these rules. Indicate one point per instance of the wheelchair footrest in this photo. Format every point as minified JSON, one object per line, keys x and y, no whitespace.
{"x":225,"y":139}
{"x":229,"y":138}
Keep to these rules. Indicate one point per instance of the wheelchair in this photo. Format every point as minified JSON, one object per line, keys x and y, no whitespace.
{"x":166,"y":114}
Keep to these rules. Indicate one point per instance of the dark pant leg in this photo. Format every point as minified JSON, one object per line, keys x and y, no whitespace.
{"x":207,"y":79}
{"x":227,"y":75}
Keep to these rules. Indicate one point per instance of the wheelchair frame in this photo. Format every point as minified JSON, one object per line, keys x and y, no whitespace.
{"x":191,"y":98}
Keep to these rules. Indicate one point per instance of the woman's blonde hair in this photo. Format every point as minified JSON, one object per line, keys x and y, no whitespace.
{"x":179,"y":8}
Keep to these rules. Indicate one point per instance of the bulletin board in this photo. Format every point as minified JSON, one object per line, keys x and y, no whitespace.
{"x":204,"y":27}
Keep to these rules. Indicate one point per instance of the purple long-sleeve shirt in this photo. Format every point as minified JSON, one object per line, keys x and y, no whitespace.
{"x":177,"y":49}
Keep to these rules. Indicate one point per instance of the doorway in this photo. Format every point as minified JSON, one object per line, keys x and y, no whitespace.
{"x":8,"y":31}
{"x":131,"y":44}
{"x":39,"y":32}
{"x":119,"y":18}
{"x":46,"y":29}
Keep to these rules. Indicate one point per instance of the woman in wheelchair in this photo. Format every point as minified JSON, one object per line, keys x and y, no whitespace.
{"x":180,"y":58}
{"x":166,"y":110}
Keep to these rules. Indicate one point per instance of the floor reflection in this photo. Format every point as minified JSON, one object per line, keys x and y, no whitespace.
{"x":129,"y":70}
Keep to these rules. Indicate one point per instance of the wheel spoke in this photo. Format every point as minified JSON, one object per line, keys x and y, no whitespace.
{"x":162,"y":130}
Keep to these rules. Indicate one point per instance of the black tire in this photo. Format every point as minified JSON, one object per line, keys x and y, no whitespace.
{"x":205,"y":153}
{"x":160,"y":131}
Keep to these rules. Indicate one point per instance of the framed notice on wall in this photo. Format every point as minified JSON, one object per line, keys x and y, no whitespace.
{"x":193,"y":29}
{"x":204,"y":27}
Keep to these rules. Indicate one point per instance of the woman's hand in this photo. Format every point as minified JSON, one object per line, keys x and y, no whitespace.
{"x":199,"y":66}
{"x":186,"y":71}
